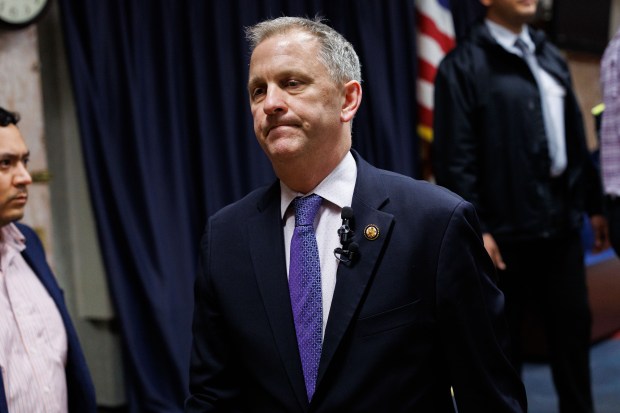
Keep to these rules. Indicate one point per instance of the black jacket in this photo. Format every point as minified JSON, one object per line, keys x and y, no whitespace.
{"x":490,"y":145}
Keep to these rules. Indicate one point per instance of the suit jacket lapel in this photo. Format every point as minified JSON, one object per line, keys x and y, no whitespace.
{"x":352,"y":281}
{"x":269,"y":262}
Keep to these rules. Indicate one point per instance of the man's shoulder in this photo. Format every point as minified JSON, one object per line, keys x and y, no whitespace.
{"x":463,"y":54}
{"x":25,"y":229}
{"x":32,"y":239}
{"x":414,"y":192}
{"x":470,"y":54}
{"x":398,"y":186}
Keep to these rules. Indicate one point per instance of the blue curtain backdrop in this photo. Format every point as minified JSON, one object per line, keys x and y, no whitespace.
{"x":160,"y":87}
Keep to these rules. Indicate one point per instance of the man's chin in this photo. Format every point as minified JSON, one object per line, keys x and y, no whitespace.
{"x":282,"y":149}
{"x":529,"y":13}
{"x":13,"y":216}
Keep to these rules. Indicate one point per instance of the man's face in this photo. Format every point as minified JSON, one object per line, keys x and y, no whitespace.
{"x":14,"y":177}
{"x":295,"y":104}
{"x":511,"y":12}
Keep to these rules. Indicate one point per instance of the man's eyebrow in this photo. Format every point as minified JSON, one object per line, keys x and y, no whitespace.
{"x":14,"y":155}
{"x":253,"y":82}
{"x":283,"y":74}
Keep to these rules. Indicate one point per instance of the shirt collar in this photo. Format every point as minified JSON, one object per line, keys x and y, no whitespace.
{"x":507,"y":38}
{"x":337,"y":187}
{"x":12,"y":236}
{"x":12,"y":242}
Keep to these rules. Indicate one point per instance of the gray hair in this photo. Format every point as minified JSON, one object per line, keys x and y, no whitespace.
{"x":336,"y":53}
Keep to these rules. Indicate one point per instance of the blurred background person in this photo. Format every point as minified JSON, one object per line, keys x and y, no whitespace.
{"x":509,"y":137}
{"x":610,"y":136}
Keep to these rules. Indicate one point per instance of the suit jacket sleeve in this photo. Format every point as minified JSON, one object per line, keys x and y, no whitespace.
{"x":473,"y":328}
{"x":456,"y":146}
{"x":211,"y":377}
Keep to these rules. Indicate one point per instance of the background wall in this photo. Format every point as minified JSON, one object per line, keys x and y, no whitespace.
{"x":585,"y":69}
{"x":20,"y":91}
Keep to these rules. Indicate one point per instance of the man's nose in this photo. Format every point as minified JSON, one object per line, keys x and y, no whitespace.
{"x":22,"y":177}
{"x":275,"y":101}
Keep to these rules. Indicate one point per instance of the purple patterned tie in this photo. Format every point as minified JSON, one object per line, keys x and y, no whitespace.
{"x":305,"y":288}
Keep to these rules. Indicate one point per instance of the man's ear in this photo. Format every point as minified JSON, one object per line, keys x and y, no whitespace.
{"x":352,"y":100}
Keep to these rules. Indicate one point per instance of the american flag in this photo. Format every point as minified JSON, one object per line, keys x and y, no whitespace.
{"x":435,"y":38}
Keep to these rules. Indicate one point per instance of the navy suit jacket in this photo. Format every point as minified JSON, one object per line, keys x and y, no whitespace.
{"x":417,"y":313}
{"x":81,"y":392}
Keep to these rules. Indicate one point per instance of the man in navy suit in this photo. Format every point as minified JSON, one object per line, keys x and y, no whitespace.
{"x":43,"y":368}
{"x":406,"y":303}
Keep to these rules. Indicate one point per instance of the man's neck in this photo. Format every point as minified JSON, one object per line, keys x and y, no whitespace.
{"x":305,"y":174}
{"x":514,"y":26}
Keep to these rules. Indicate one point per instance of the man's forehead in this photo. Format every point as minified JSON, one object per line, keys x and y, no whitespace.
{"x":284,"y":40}
{"x":284,"y":50}
{"x":11,"y":140}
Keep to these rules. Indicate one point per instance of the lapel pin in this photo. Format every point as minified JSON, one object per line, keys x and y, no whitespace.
{"x":371,"y":232}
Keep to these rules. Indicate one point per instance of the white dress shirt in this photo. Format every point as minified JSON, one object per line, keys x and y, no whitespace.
{"x":337,"y":192}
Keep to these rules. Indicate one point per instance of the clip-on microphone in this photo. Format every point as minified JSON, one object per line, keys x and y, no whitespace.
{"x":349,"y":249}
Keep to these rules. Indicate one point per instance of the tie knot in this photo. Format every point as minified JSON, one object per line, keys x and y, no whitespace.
{"x":520,"y":44}
{"x":306,"y":209}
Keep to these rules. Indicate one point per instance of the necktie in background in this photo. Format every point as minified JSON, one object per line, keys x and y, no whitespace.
{"x":558,"y":159}
{"x":305,"y":288}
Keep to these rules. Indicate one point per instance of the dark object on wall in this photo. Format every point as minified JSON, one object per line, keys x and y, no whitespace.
{"x":581,"y":25}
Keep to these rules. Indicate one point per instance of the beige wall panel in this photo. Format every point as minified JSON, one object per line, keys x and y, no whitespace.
{"x":20,"y":91}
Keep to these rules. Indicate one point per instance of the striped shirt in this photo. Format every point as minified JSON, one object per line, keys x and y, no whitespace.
{"x":33,"y":341}
{"x":610,"y":126}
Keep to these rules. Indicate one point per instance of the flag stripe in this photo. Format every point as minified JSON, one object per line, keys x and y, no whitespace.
{"x":445,"y":41}
{"x":439,"y":13}
{"x":427,"y":116}
{"x":426,"y":71}
{"x":435,"y":38}
{"x":425,"y":94}
{"x":429,"y":49}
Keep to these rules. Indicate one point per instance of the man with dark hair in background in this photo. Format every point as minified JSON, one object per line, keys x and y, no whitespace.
{"x":509,"y":138}
{"x":43,"y":368}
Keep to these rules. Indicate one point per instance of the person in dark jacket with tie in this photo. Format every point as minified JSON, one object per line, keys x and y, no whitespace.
{"x":509,"y":138}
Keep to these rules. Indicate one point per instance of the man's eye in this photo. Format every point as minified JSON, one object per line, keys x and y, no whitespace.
{"x":25,"y":161}
{"x":5,"y":163}
{"x":293,"y":83}
{"x":257,"y":92}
